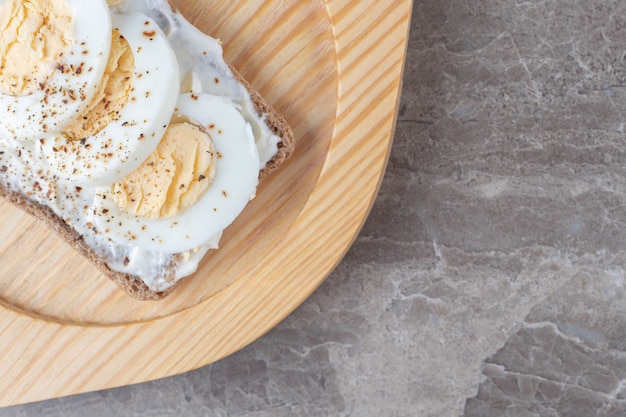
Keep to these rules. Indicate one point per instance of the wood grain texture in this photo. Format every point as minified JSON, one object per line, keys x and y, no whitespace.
{"x":334,"y":70}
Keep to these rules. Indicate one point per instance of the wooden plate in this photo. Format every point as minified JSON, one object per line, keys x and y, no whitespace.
{"x":334,"y":69}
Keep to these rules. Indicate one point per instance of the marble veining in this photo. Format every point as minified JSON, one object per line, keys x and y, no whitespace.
{"x":489,"y":279}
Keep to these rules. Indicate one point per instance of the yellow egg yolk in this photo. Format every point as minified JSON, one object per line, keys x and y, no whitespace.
{"x":173,"y":177}
{"x":34,"y":35}
{"x":113,"y":3}
{"x":112,"y":93}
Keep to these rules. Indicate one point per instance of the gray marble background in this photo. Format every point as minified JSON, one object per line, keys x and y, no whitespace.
{"x":489,"y":279}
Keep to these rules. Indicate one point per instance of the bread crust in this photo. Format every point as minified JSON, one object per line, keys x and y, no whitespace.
{"x":275,"y":121}
{"x":131,"y":284}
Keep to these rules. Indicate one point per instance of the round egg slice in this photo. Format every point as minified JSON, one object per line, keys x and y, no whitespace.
{"x":233,"y":185}
{"x":122,"y":145}
{"x":72,"y":84}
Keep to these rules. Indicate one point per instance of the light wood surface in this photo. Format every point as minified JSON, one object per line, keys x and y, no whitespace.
{"x":334,"y":69}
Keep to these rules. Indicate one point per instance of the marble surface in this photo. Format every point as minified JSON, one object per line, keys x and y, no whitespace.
{"x":489,"y":279}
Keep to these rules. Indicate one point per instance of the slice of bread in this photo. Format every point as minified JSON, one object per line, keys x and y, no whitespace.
{"x":134,"y":285}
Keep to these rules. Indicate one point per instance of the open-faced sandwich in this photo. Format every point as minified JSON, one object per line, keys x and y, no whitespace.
{"x":123,"y":128}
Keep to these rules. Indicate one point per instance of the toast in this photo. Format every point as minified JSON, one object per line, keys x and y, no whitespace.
{"x":134,"y":285}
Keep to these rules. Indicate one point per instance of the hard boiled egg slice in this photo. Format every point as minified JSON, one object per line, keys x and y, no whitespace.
{"x":59,"y":99}
{"x":234,"y":184}
{"x":122,"y":145}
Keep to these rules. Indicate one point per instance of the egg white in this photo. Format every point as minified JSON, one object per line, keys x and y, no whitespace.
{"x":126,"y":142}
{"x":72,"y":85}
{"x":234,"y":184}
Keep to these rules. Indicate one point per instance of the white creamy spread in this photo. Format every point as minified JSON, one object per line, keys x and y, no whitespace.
{"x":25,"y":168}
